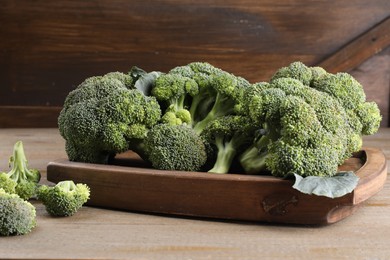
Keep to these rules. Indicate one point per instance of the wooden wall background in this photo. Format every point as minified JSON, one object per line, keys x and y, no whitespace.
{"x":48,"y":47}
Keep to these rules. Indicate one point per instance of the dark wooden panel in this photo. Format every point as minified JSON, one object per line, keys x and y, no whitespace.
{"x":360,"y":49}
{"x":48,"y":47}
{"x":25,"y":116}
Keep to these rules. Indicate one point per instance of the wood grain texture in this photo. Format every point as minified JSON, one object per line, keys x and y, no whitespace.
{"x":50,"y":47}
{"x":95,"y":233}
{"x":360,"y":49}
{"x":28,"y":116}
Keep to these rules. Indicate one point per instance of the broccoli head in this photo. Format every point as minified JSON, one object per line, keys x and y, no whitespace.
{"x":297,"y":120}
{"x":296,"y":70}
{"x":197,"y":94}
{"x":17,"y":216}
{"x":6,"y":183}
{"x":174,"y":147}
{"x":175,"y":90}
{"x":64,"y":199}
{"x":103,"y":117}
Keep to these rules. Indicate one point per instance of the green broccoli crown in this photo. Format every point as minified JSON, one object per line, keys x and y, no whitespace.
{"x":6,"y":183}
{"x":316,"y":74}
{"x":296,"y":70}
{"x":65,"y":198}
{"x":370,"y":117}
{"x":342,"y":86}
{"x":175,"y":90}
{"x":105,"y":118}
{"x":175,"y":147}
{"x":284,"y":159}
{"x":26,"y":179}
{"x":17,"y":216}
{"x":363,"y":117}
{"x":295,"y":116}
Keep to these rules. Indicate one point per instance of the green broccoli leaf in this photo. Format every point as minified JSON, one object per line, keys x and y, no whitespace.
{"x":332,"y":187}
{"x":145,"y":82}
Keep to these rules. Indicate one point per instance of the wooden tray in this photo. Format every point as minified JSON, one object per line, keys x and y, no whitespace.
{"x":222,"y":196}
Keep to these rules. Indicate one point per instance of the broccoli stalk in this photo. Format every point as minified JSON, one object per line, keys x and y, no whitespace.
{"x":26,"y":179}
{"x":228,"y":135}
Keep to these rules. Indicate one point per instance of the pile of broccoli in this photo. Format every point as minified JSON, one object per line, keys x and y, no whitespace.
{"x":197,"y":117}
{"x":20,"y":184}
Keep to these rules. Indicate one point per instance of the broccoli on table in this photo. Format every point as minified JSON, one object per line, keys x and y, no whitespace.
{"x":26,"y":179}
{"x":17,"y":216}
{"x":103,"y":117}
{"x":64,"y":199}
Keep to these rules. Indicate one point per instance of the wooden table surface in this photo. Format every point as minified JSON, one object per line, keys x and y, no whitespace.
{"x":95,"y":233}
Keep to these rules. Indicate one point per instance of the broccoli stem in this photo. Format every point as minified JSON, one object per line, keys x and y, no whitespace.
{"x":19,"y":163}
{"x":222,"y":106}
{"x":253,"y":159}
{"x":226,"y":153}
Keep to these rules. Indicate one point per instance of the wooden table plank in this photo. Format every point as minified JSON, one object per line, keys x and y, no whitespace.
{"x":100,"y":233}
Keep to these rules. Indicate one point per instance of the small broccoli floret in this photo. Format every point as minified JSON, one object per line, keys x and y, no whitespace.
{"x":370,"y":117}
{"x":17,"y":216}
{"x":102,"y":117}
{"x":342,"y":86}
{"x":6,"y":183}
{"x":227,"y":91}
{"x":363,"y":117}
{"x":218,"y":93}
{"x":174,"y":147}
{"x":26,"y":179}
{"x":296,"y":70}
{"x":229,"y":135}
{"x":316,"y":74}
{"x":174,"y":90}
{"x":64,"y":199}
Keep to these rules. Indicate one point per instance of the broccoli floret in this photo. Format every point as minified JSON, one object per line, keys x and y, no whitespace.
{"x":64,"y":199}
{"x":228,"y":134}
{"x":174,"y":90}
{"x":370,"y":117}
{"x":296,"y":70}
{"x":174,"y":147}
{"x":102,"y":117}
{"x":6,"y":183}
{"x":297,"y":120}
{"x":224,"y":95}
{"x":202,"y":90}
{"x":17,"y":216}
{"x":26,"y":179}
{"x":363,"y":117}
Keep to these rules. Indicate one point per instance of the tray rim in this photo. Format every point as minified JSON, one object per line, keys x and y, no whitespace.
{"x":339,"y":208}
